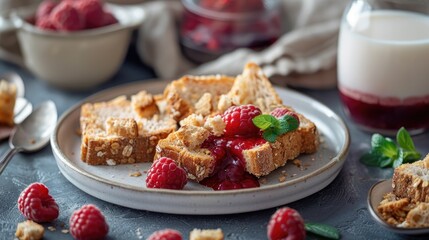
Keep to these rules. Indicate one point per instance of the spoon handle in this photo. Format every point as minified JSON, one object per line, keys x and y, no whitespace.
{"x":5,"y":159}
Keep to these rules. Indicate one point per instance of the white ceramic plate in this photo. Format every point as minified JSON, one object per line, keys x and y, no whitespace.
{"x":114,"y":183}
{"x":375,"y":196}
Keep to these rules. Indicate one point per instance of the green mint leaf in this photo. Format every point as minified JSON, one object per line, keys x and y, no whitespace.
{"x":371,"y":159}
{"x":265,"y":121}
{"x":411,"y":156}
{"x":323,"y":230}
{"x":386,"y":162}
{"x":397,"y":162}
{"x":384,"y":146}
{"x":290,"y":122}
{"x":404,"y":140}
{"x":270,"y":135}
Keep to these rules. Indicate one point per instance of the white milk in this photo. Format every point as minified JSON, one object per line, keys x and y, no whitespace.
{"x":386,"y":54}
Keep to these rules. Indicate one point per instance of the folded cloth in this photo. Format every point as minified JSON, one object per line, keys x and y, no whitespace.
{"x":305,"y":56}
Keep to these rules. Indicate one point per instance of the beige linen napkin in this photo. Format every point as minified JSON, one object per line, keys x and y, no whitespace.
{"x":305,"y":56}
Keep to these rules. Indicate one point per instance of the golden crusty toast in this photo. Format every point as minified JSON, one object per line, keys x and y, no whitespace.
{"x":411,"y":180}
{"x":252,"y":87}
{"x":122,"y":131}
{"x":7,"y":102}
{"x":195,"y":94}
{"x":206,"y":234}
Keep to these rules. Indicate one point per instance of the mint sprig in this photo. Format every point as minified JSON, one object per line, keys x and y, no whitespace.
{"x":386,"y":153}
{"x":323,"y":230}
{"x":273,"y":127}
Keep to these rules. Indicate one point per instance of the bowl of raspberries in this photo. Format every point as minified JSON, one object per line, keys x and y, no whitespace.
{"x":75,"y":44}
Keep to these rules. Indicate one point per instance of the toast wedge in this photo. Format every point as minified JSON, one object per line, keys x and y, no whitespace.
{"x":252,"y":87}
{"x":411,"y":180}
{"x":122,"y":131}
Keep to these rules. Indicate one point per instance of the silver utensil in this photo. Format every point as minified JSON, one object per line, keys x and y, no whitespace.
{"x":33,"y":133}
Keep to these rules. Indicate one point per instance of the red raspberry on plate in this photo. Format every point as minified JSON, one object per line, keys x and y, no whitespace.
{"x":166,"y":234}
{"x":280,"y":112}
{"x":286,"y":223}
{"x":65,"y":17}
{"x":165,"y":173}
{"x":44,"y":9}
{"x":91,"y":11}
{"x":88,"y":223}
{"x":238,"y":120}
{"x":36,"y":204}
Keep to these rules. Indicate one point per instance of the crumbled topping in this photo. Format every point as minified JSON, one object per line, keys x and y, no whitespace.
{"x":110,"y":162}
{"x":29,"y":230}
{"x":215,"y":125}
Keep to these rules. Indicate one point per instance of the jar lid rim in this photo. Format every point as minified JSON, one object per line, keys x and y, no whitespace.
{"x":194,"y":8}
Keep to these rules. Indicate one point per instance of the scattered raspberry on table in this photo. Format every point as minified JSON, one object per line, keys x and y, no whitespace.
{"x":88,"y":223}
{"x":286,"y":223}
{"x":36,"y":204}
{"x":165,"y":173}
{"x":166,"y":234}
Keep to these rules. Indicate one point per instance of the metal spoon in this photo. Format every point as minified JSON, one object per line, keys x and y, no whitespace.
{"x":33,"y":133}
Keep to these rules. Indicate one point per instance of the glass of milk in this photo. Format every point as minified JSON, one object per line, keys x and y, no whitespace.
{"x":383,"y":64}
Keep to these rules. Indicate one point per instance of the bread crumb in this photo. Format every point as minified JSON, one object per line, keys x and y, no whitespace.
{"x":29,"y":230}
{"x":65,"y":231}
{"x":282,"y":178}
{"x":204,"y":105}
{"x":206,"y":234}
{"x":193,"y":120}
{"x":216,"y":125}
{"x":297,"y":163}
{"x":110,"y":162}
{"x":52,"y":228}
{"x":135,"y":174}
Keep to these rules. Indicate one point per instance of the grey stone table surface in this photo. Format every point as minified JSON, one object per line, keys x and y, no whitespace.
{"x":341,"y":204}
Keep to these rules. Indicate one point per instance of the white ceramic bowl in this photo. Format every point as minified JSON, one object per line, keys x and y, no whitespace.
{"x":76,"y":60}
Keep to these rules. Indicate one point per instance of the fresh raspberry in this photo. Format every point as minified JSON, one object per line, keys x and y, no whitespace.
{"x":45,"y":8}
{"x":36,"y":204}
{"x":109,"y":19}
{"x":286,"y":223}
{"x":166,"y":234}
{"x":45,"y":23}
{"x":91,"y":11}
{"x":165,"y":173}
{"x":280,"y":112}
{"x":88,"y":223}
{"x":66,"y":18}
{"x":238,"y":120}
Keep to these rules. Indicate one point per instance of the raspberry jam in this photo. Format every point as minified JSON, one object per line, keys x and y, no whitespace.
{"x":211,"y":28}
{"x":230,"y":171}
{"x":386,"y":114}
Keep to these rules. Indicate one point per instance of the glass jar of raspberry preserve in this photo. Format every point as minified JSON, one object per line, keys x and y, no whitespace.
{"x":211,"y":28}
{"x":383,"y":64}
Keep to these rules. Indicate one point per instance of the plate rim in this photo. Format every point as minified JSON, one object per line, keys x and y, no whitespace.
{"x":339,"y":158}
{"x":374,"y":214}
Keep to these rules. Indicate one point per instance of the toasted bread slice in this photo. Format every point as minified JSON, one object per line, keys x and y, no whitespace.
{"x":115,"y":132}
{"x":411,"y":180}
{"x":196,"y":94}
{"x":252,"y":87}
{"x":7,"y":102}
